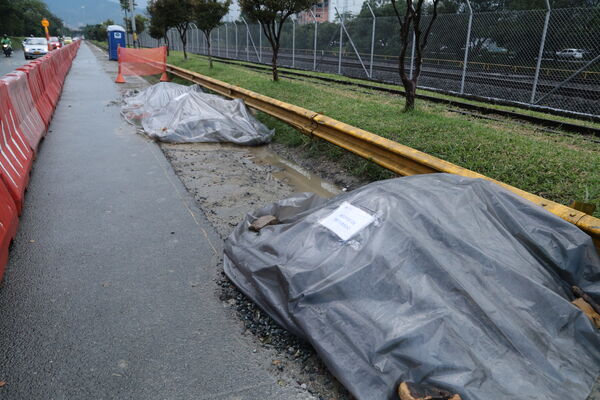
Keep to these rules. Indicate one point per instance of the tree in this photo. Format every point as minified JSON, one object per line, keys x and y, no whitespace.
{"x":159,"y":25}
{"x":410,"y":27}
{"x":178,"y":14}
{"x":22,"y":18}
{"x":140,"y":23}
{"x":272,"y":14}
{"x":208,"y":15}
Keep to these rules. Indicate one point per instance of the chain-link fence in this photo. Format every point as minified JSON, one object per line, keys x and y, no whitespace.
{"x":547,"y":58}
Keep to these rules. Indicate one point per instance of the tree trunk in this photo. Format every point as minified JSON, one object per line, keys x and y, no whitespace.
{"x":183,"y":42}
{"x":274,"y":65}
{"x":166,"y":37}
{"x":410,"y":87}
{"x":210,"y":63}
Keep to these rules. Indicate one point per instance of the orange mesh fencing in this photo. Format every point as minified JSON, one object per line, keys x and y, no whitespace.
{"x":142,"y":62}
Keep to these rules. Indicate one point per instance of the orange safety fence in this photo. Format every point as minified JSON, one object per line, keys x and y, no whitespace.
{"x":142,"y":62}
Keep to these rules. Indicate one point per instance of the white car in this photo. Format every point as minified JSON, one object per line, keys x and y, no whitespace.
{"x":576,"y":54}
{"x":35,"y":47}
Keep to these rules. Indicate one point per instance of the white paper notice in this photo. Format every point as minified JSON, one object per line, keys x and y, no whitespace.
{"x":347,"y":220}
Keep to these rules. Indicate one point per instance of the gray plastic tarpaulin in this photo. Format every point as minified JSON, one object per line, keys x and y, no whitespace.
{"x":435,"y":279}
{"x":170,"y":112}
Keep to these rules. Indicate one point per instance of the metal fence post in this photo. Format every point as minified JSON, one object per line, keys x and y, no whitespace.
{"x":315,"y":41}
{"x":260,"y":41}
{"x":247,"y":40}
{"x":412,"y":56}
{"x":226,"y":42}
{"x":293,"y":43}
{"x":219,"y":41}
{"x":340,"y":51}
{"x":372,"y":39}
{"x":467,"y":45}
{"x":236,"y":40}
{"x":541,"y":52}
{"x":352,"y":43}
{"x":194,"y":28}
{"x":249,"y":35}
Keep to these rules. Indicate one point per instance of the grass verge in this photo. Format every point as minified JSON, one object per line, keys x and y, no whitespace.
{"x":540,"y":114}
{"x":558,"y":167}
{"x":17,"y":42}
{"x":103,"y":45}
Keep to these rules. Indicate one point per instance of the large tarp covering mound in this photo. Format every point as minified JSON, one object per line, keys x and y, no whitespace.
{"x":451,"y":282}
{"x":170,"y":112}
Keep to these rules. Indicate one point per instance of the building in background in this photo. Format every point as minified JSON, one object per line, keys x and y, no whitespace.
{"x":321,"y":11}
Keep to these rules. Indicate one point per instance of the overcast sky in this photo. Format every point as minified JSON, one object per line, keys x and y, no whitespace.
{"x":81,"y":12}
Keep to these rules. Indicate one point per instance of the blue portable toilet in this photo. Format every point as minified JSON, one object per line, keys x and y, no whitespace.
{"x":116,"y":37}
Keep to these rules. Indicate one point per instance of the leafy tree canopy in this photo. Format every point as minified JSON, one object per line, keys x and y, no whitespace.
{"x":22,"y":18}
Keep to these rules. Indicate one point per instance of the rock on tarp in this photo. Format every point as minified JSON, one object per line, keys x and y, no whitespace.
{"x":175,"y":113}
{"x":453,"y":282}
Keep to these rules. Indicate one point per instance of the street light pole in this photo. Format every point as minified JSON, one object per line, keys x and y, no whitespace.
{"x":133,"y":29}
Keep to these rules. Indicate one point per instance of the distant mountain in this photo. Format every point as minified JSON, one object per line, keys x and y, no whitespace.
{"x":82,"y":12}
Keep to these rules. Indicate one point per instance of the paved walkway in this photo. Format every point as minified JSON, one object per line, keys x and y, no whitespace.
{"x":110,"y":289}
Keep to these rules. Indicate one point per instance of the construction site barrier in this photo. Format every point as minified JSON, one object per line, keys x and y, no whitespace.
{"x":38,"y":91}
{"x":9,"y":222}
{"x":16,"y":155}
{"x":27,"y":115}
{"x":142,"y":62}
{"x":28,"y":97}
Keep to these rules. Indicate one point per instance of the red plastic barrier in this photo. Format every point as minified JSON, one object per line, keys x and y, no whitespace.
{"x":16,"y":157}
{"x":38,"y":91}
{"x":142,"y":62}
{"x":50,"y":81}
{"x":27,"y":116}
{"x":28,"y":97}
{"x":9,"y":222}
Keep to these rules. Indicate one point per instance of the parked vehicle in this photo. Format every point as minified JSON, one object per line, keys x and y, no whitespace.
{"x":34,"y":47}
{"x":55,"y":43}
{"x":575,"y":54}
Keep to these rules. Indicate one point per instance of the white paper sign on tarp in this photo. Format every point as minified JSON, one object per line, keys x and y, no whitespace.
{"x":347,"y":220}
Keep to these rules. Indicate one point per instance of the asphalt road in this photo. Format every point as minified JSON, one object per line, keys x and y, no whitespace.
{"x":109,"y":292}
{"x":9,"y":64}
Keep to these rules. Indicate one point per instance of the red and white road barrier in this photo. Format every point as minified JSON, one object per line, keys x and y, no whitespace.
{"x":28,"y":97}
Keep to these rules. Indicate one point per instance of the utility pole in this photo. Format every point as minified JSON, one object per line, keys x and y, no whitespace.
{"x":133,"y":29}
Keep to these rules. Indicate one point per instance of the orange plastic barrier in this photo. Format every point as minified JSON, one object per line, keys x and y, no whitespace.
{"x":28,"y":97}
{"x":16,"y":157}
{"x":27,"y":116}
{"x":142,"y":62}
{"x":38,"y":91}
{"x":9,"y":222}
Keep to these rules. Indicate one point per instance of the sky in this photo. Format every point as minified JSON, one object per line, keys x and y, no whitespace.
{"x":81,"y":12}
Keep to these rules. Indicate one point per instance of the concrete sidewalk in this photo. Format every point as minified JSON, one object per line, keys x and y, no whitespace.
{"x":110,"y":293}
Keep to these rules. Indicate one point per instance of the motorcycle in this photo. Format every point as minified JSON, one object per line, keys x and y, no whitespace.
{"x":7,"y":50}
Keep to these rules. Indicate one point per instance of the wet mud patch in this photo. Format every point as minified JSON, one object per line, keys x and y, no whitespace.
{"x":227,"y":182}
{"x":230,"y":181}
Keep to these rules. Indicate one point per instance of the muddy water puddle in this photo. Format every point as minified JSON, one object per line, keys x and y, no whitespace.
{"x":230,"y":181}
{"x":296,"y":176}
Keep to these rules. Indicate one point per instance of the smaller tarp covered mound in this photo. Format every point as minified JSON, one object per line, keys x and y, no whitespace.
{"x":141,"y":104}
{"x":183,"y":114}
{"x":434,"y":279}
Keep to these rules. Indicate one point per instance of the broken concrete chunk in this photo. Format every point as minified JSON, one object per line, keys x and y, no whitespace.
{"x":412,"y":391}
{"x":263,"y":221}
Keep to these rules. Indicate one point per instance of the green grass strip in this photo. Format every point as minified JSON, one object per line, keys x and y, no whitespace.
{"x":559,"y":167}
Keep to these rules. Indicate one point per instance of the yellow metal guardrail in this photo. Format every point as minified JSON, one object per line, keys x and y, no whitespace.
{"x":394,"y":156}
